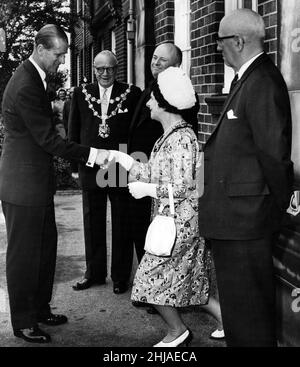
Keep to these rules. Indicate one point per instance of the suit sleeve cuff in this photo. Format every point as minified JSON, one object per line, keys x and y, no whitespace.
{"x":92,"y":157}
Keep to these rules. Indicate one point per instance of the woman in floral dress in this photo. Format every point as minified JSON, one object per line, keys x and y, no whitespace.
{"x":183,"y":278}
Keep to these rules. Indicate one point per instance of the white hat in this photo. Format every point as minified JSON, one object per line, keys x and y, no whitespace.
{"x":176,"y":88}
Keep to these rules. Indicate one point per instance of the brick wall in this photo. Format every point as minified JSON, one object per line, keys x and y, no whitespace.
{"x":121,"y":43}
{"x":268,"y":9}
{"x":207,"y":66}
{"x":164,"y":21}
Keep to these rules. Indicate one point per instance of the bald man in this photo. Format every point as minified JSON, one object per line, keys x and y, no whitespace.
{"x":143,"y":134}
{"x":101,"y":113}
{"x":248,"y":182}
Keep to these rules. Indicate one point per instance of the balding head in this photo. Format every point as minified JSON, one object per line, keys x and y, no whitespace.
{"x":165,"y":55}
{"x":241,"y":37}
{"x":244,"y":22}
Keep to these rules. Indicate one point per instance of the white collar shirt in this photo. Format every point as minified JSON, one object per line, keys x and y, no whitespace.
{"x":108,"y":91}
{"x":244,"y":67}
{"x":40,"y":71}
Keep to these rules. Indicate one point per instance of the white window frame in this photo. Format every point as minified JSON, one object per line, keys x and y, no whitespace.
{"x":78,"y":69}
{"x":230,"y":6}
{"x":182,"y":31}
{"x":113,"y":42}
{"x":92,"y":62}
{"x":78,"y":6}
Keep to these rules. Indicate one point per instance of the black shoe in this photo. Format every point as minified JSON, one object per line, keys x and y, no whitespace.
{"x":151,"y":310}
{"x":120,"y":287}
{"x":53,"y":320}
{"x":139,"y":304}
{"x":86,"y":283}
{"x":33,"y":335}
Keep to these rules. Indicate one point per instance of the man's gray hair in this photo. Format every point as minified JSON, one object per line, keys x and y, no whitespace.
{"x":247,"y":23}
{"x":108,"y":53}
{"x":47,"y":34}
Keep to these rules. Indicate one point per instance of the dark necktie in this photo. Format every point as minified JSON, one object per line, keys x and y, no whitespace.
{"x":234,"y":82}
{"x":50,"y":90}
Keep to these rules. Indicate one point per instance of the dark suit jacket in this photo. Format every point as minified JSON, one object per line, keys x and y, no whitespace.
{"x":26,"y":167}
{"x":66,"y":112}
{"x":144,"y":131}
{"x":248,"y":173}
{"x":83,"y":125}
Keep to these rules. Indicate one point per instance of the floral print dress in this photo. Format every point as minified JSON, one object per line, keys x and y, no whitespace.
{"x":182,"y":279}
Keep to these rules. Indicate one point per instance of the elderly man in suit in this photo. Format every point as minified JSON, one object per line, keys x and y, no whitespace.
{"x":100,"y":114}
{"x":27,"y":185}
{"x":248,"y":182}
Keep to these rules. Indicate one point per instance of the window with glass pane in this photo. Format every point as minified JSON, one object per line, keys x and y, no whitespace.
{"x":182,"y":34}
{"x":247,"y":4}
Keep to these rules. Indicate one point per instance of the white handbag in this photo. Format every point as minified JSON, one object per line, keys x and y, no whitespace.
{"x":161,"y":234}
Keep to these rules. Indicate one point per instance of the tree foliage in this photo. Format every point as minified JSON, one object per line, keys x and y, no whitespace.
{"x":20,"y":20}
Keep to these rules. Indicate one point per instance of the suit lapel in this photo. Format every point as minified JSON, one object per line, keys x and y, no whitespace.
{"x":136,"y":121}
{"x":29,"y":67}
{"x":116,"y":91}
{"x":245,"y":76}
{"x":93,"y":90}
{"x":37,"y":80}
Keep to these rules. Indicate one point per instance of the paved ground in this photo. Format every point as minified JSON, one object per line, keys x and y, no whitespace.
{"x":97,"y":317}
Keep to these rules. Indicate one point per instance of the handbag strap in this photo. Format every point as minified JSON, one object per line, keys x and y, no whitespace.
{"x":171,"y":201}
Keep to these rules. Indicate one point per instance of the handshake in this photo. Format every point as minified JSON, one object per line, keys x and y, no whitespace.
{"x":102,"y":158}
{"x":137,"y":189}
{"x":105,"y":157}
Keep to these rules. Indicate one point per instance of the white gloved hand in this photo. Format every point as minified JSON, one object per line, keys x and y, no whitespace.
{"x":124,"y":159}
{"x":141,"y":189}
{"x":75,"y":175}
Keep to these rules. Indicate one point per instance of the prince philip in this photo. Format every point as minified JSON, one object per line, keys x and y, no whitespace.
{"x":100,"y":114}
{"x":27,"y":185}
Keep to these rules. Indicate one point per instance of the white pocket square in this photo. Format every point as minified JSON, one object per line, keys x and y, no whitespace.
{"x":122,"y":111}
{"x":231,"y":115}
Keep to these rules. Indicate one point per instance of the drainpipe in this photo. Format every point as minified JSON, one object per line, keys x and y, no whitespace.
{"x":130,"y":42}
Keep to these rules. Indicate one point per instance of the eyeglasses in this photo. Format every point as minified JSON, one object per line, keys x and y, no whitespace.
{"x":109,"y":70}
{"x":220,"y":39}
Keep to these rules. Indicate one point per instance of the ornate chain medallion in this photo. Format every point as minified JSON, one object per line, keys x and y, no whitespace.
{"x":104,"y":129}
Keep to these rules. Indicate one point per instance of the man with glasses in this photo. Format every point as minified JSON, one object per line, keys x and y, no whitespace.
{"x":248,"y":182}
{"x":101,"y":113}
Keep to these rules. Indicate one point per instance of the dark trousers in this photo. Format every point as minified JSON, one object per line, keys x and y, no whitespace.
{"x":246,"y":287}
{"x":140,"y":212}
{"x":94,"y":219}
{"x":30,"y":261}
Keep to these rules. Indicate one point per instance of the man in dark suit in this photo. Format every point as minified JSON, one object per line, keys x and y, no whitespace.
{"x":143,"y":134}
{"x":100,"y":115}
{"x":27,"y":186}
{"x":247,"y":182}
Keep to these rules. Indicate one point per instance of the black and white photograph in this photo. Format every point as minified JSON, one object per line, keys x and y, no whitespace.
{"x":149,"y":177}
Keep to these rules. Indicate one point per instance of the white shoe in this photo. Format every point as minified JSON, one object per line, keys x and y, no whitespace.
{"x":184,"y":338}
{"x":217,"y":334}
